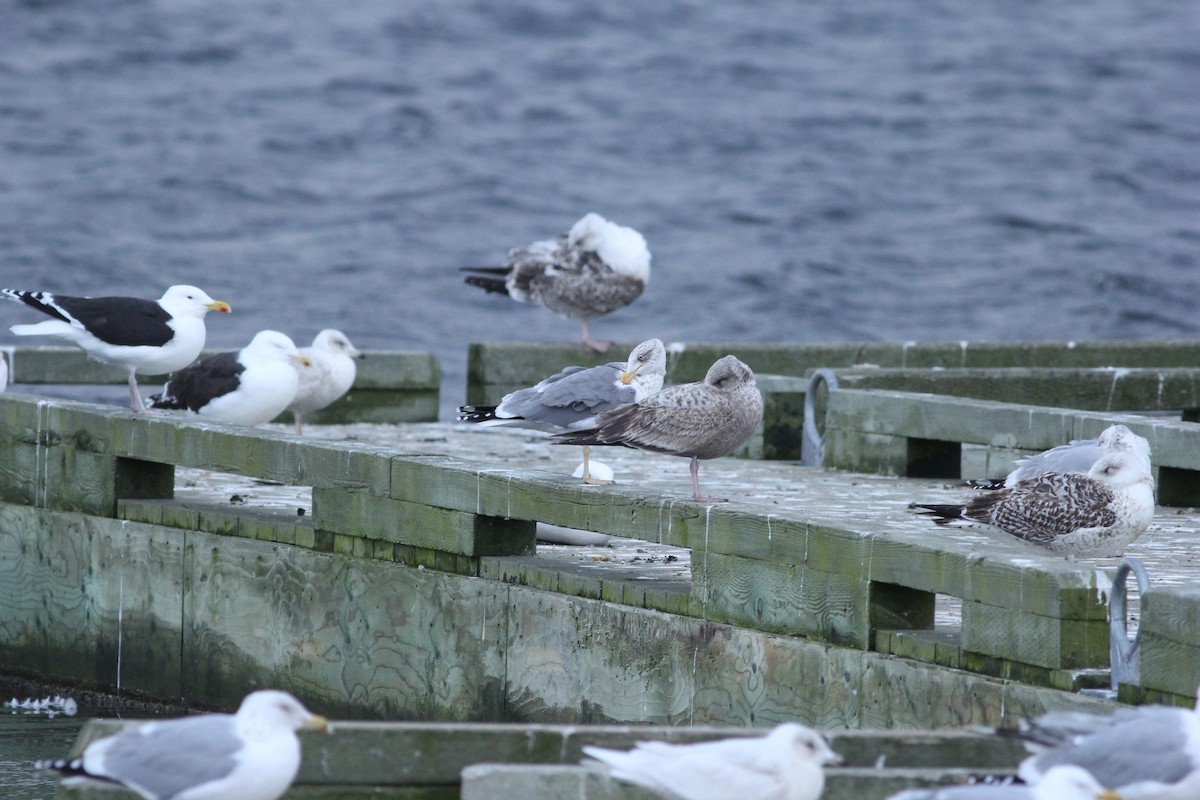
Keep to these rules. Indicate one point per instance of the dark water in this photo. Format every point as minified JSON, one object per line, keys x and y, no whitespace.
{"x":899,"y":169}
{"x":26,"y":739}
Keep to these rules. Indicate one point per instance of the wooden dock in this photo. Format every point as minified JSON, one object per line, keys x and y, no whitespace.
{"x":392,"y":571}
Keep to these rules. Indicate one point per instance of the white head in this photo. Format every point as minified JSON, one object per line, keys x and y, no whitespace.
{"x":331,"y":340}
{"x":272,"y":709}
{"x":276,"y":346}
{"x":1121,"y":468}
{"x":729,"y":373}
{"x":188,"y":301}
{"x":647,"y":365}
{"x":623,"y":249}
{"x":1118,"y":437}
{"x":794,"y":748}
{"x":1069,"y":782}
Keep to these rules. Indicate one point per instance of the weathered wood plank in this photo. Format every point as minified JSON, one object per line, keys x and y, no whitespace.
{"x":1034,"y":639}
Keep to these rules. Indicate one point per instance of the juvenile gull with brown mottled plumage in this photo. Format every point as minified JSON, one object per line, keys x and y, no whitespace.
{"x":707,"y":419}
{"x":1097,"y":514}
{"x":592,"y":270}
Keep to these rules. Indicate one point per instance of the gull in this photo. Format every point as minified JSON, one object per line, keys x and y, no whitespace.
{"x":707,"y":419}
{"x":1096,"y":514}
{"x":1060,"y":783}
{"x":571,"y":399}
{"x":785,"y":764}
{"x":153,"y":337}
{"x":328,"y":377}
{"x":251,"y":755}
{"x":592,"y":270}
{"x":1076,"y":456}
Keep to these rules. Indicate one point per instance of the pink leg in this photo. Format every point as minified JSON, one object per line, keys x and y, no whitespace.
{"x":696,"y":486}
{"x":587,"y":475}
{"x":596,"y":345}
{"x":296,"y":416}
{"x":134,"y":395}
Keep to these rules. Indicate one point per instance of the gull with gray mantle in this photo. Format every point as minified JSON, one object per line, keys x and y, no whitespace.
{"x":707,"y":419}
{"x":251,"y":755}
{"x":571,"y":399}
{"x":784,"y":764}
{"x":592,"y":270}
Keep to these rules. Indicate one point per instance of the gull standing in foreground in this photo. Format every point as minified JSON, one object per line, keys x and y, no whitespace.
{"x":785,"y":764}
{"x":247,"y":387}
{"x":1060,"y":783}
{"x":328,"y":377}
{"x":1143,"y":752}
{"x":1076,"y":456}
{"x":571,"y":399}
{"x":592,"y":270}
{"x":251,"y":755}
{"x":1097,"y":514}
{"x":153,"y":337}
{"x":703,"y":420}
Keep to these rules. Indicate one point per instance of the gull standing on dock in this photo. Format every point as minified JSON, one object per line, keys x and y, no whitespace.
{"x":1060,"y":783}
{"x":153,"y":337}
{"x":785,"y":764}
{"x":247,"y":387}
{"x":251,"y":755}
{"x":571,"y":399}
{"x":592,"y":270}
{"x":1145,"y":752}
{"x":1097,"y":514}
{"x":1076,"y":456}
{"x":328,"y":377}
{"x":703,"y":420}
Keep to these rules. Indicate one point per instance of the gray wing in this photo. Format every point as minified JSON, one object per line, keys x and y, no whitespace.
{"x":1151,"y":745}
{"x":570,"y":397}
{"x":1078,"y":456}
{"x":1044,"y":508}
{"x":165,"y":758}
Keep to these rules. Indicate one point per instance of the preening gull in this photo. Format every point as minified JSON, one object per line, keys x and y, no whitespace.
{"x":1097,"y":514}
{"x":1076,"y":456}
{"x":251,"y":755}
{"x":785,"y":764}
{"x":1060,"y":783}
{"x":153,"y":337}
{"x":571,"y":399}
{"x":330,"y":374}
{"x":592,"y":270}
{"x":1143,"y":752}
{"x":707,"y":419}
{"x":247,"y":387}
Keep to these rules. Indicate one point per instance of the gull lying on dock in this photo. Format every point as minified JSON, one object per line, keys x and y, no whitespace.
{"x":1076,"y":456}
{"x":1143,"y":752}
{"x":1097,"y":514}
{"x":330,"y":374}
{"x":153,"y":337}
{"x":1060,"y":783}
{"x":707,"y":419}
{"x":251,"y":755}
{"x":247,"y":387}
{"x":592,"y":270}
{"x":785,"y":764}
{"x":571,"y":399}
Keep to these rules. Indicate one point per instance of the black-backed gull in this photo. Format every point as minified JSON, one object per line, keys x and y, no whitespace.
{"x":152,"y":337}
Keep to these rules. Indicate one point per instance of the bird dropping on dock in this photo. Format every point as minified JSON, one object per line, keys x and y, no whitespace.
{"x":251,"y":755}
{"x":152,"y":337}
{"x":592,"y":270}
{"x":1093,"y":514}
{"x":329,"y":375}
{"x":707,"y":419}
{"x":247,"y":387}
{"x":571,"y":399}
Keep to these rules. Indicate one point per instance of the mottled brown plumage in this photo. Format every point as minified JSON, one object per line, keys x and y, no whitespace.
{"x":707,"y":419}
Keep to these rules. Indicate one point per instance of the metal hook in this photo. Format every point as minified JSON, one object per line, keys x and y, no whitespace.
{"x":1124,"y":655}
{"x":812,"y":441}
